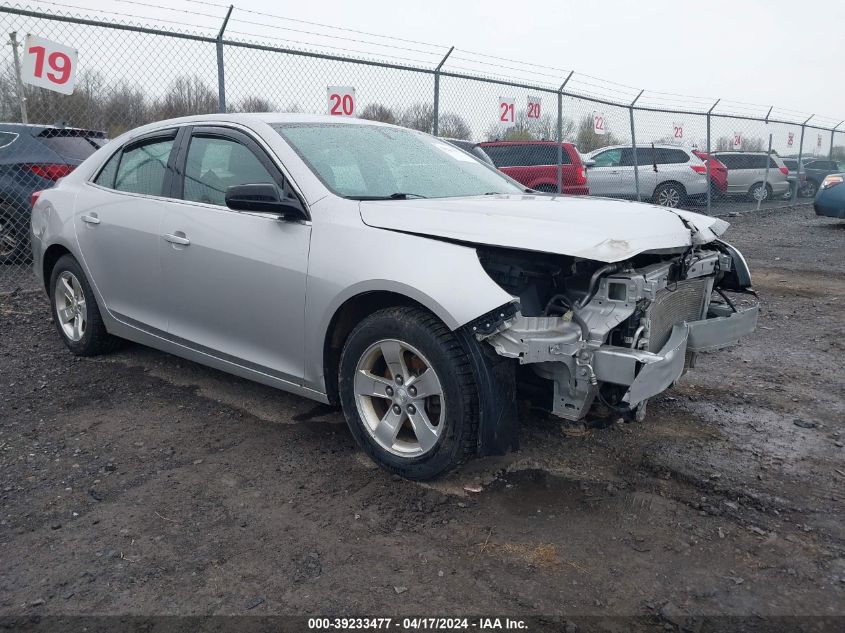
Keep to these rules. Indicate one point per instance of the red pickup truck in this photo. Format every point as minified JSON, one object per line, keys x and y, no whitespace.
{"x":534,"y":164}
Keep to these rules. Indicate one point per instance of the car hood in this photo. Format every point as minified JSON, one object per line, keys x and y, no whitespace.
{"x":600,"y":229}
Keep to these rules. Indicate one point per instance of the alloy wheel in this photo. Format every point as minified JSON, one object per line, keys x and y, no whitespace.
{"x":71,"y":309}
{"x":669,"y":197}
{"x":399,"y":398}
{"x":8,"y":237}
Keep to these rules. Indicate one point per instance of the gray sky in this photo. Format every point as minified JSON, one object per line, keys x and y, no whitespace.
{"x":755,"y":51}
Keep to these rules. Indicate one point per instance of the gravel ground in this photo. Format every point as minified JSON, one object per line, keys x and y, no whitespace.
{"x":140,"y":483}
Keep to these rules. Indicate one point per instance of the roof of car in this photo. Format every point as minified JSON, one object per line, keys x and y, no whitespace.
{"x":526,"y":142}
{"x":37,"y":128}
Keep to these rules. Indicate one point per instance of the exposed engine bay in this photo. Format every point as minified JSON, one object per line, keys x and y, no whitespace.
{"x":615,"y":333}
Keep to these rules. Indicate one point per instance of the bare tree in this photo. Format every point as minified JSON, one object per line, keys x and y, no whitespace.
{"x":586,"y":140}
{"x":254,"y":104}
{"x":419,"y":116}
{"x":379,"y":112}
{"x":453,"y":125}
{"x":186,"y":95}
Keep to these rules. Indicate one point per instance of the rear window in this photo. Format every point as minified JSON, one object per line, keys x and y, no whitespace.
{"x":525,"y":155}
{"x":791,"y":164}
{"x":7,"y":138}
{"x":71,"y":147}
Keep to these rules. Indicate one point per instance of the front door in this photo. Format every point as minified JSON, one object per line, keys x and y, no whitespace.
{"x":233,"y":281}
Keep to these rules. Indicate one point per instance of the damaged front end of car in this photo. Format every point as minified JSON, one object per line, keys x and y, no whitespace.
{"x":588,"y":333}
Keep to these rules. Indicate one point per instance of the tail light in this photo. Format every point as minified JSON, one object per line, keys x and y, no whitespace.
{"x":51,"y":171}
{"x":33,"y":198}
{"x":581,"y":175}
{"x":831,"y":181}
{"x":699,"y":169}
{"x":784,"y":171}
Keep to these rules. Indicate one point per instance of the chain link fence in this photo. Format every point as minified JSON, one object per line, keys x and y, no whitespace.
{"x":553,"y":131}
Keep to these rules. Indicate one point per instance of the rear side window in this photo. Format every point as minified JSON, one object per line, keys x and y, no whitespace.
{"x":7,"y":138}
{"x":668,"y":156}
{"x":525,"y":155}
{"x":773,"y":164}
{"x":106,"y":176}
{"x":143,"y":167}
{"x":70,"y":147}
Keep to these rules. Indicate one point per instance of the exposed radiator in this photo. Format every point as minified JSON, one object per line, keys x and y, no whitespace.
{"x":687,"y":301}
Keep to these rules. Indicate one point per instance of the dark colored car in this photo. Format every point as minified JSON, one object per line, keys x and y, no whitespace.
{"x":471,"y":147}
{"x":816,"y":171}
{"x":718,"y":173}
{"x":535,"y":164}
{"x":32,"y":158}
{"x":830,"y":199}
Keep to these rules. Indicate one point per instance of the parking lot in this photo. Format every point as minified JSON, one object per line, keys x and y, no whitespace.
{"x":140,"y":483}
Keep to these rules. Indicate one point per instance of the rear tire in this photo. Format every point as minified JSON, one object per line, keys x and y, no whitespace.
{"x":670,"y":194}
{"x":382,"y":392}
{"x":760,"y":191}
{"x":75,"y":312}
{"x":810,"y":189}
{"x":14,"y":236}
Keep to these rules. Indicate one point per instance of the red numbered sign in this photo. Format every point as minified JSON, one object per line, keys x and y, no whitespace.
{"x":790,"y":138}
{"x":507,"y":112}
{"x":737,"y":140}
{"x":49,"y":65}
{"x":599,"y":123}
{"x":678,"y":131}
{"x":533,"y":108}
{"x":341,"y":100}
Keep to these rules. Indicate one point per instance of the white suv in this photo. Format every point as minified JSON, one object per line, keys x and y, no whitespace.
{"x":669,"y":175}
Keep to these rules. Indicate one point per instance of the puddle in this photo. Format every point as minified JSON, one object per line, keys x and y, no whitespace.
{"x":539,"y":492}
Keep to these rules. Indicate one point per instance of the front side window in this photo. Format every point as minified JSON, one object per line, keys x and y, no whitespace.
{"x":609,"y":158}
{"x":361,"y":161}
{"x":143,"y":167}
{"x":215,"y":164}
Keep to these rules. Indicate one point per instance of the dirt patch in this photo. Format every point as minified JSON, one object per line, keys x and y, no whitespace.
{"x":140,"y":483}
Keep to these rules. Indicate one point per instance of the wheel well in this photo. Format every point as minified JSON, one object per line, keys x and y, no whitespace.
{"x":671,"y":182}
{"x":51,"y":256}
{"x":350,"y":314}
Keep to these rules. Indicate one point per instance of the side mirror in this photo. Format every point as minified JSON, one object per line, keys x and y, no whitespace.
{"x":264,"y":198}
{"x":589,"y":163}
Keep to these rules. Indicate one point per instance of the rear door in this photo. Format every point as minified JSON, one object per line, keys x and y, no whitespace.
{"x":117,"y":220}
{"x":233,"y":281}
{"x":738,"y":177}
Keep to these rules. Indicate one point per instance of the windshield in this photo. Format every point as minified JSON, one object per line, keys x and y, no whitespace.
{"x":368,"y":162}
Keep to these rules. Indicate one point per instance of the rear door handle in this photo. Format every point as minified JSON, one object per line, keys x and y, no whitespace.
{"x":177,"y":239}
{"x":91,"y":219}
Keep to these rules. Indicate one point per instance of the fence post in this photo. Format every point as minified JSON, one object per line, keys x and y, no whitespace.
{"x":800,"y":156}
{"x":768,"y":160}
{"x":435,"y":124}
{"x":634,"y":146}
{"x":709,"y":157}
{"x":832,"y":132}
{"x":221,"y":80}
{"x":560,"y":132}
{"x":13,"y":37}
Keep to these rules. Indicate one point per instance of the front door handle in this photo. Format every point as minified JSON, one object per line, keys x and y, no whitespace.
{"x":91,"y":219}
{"x":182,"y":240}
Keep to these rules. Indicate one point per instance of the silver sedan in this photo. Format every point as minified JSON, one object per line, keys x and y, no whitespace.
{"x":385,"y":271}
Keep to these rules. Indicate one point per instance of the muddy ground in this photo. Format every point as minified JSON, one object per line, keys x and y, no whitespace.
{"x":140,"y":483}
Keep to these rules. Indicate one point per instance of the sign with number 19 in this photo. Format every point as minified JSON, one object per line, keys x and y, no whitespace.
{"x":49,"y":65}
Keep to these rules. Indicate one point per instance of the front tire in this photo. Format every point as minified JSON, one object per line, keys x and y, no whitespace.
{"x":670,"y":194}
{"x":75,"y":312}
{"x":408,"y":393}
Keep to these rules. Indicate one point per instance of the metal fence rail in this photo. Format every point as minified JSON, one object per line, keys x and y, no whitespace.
{"x":129,"y":75}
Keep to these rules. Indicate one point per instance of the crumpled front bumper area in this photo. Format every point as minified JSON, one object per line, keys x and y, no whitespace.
{"x":647,"y":374}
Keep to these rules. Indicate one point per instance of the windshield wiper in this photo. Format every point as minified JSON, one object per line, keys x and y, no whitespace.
{"x":392,"y":196}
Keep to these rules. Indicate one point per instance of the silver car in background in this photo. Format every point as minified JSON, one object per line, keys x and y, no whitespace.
{"x":747,"y":174}
{"x":385,"y":271}
{"x":669,"y":175}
